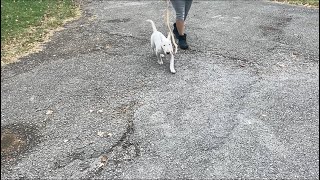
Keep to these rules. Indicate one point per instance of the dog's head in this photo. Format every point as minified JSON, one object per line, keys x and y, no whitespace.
{"x":166,"y":45}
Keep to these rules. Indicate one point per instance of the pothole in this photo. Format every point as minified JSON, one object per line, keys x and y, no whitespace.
{"x":16,"y":139}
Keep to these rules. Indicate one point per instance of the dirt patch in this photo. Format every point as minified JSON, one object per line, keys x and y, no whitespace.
{"x":119,"y":20}
{"x":16,"y":139}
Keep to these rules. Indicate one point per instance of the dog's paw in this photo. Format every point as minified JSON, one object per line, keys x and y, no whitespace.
{"x":173,"y":71}
{"x":160,"y":62}
{"x":162,"y":55}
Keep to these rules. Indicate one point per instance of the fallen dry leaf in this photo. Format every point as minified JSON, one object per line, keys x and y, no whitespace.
{"x":101,"y":134}
{"x":281,"y":65}
{"x":104,"y":159}
{"x":49,"y":112}
{"x":108,"y":46}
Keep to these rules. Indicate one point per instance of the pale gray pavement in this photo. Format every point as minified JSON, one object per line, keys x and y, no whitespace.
{"x":243,"y":103}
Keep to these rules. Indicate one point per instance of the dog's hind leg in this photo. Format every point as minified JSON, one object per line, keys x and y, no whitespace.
{"x":154,"y":50}
{"x":172,"y":64}
{"x":153,"y":47}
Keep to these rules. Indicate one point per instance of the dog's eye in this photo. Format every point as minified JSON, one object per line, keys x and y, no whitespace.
{"x":164,"y":45}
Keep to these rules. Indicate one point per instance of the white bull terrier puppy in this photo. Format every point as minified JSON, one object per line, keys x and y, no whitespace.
{"x":162,"y":46}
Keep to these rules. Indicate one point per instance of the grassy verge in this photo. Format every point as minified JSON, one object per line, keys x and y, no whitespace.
{"x":25,"y":24}
{"x":312,"y":3}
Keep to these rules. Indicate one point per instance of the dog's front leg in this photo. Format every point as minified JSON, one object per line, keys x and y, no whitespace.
{"x":172,"y":64}
{"x":159,"y":58}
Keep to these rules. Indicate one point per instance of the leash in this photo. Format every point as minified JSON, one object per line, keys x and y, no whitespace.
{"x":168,"y":25}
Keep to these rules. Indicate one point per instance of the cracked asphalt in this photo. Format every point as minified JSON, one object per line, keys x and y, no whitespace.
{"x":244,"y":102}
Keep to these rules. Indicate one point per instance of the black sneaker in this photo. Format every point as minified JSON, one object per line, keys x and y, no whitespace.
{"x":182,"y":42}
{"x":175,"y":30}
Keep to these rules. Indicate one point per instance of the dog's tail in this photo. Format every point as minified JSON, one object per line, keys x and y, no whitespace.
{"x":152,"y":24}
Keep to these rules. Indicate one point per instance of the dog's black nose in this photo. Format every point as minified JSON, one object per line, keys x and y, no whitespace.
{"x":168,"y":52}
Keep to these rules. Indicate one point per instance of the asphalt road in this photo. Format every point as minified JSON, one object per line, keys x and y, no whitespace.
{"x":94,"y":103}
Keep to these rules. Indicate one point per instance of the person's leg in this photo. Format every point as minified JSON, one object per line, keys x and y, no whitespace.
{"x":179,"y":26}
{"x":182,"y":8}
{"x":187,"y":8}
{"x":179,"y":7}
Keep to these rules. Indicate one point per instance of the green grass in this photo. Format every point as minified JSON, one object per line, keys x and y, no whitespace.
{"x":314,"y":3}
{"x":24,"y":23}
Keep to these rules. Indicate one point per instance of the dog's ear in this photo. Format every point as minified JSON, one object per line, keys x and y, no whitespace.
{"x":169,"y":37}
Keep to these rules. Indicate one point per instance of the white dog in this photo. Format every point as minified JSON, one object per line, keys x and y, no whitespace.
{"x":162,"y":46}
